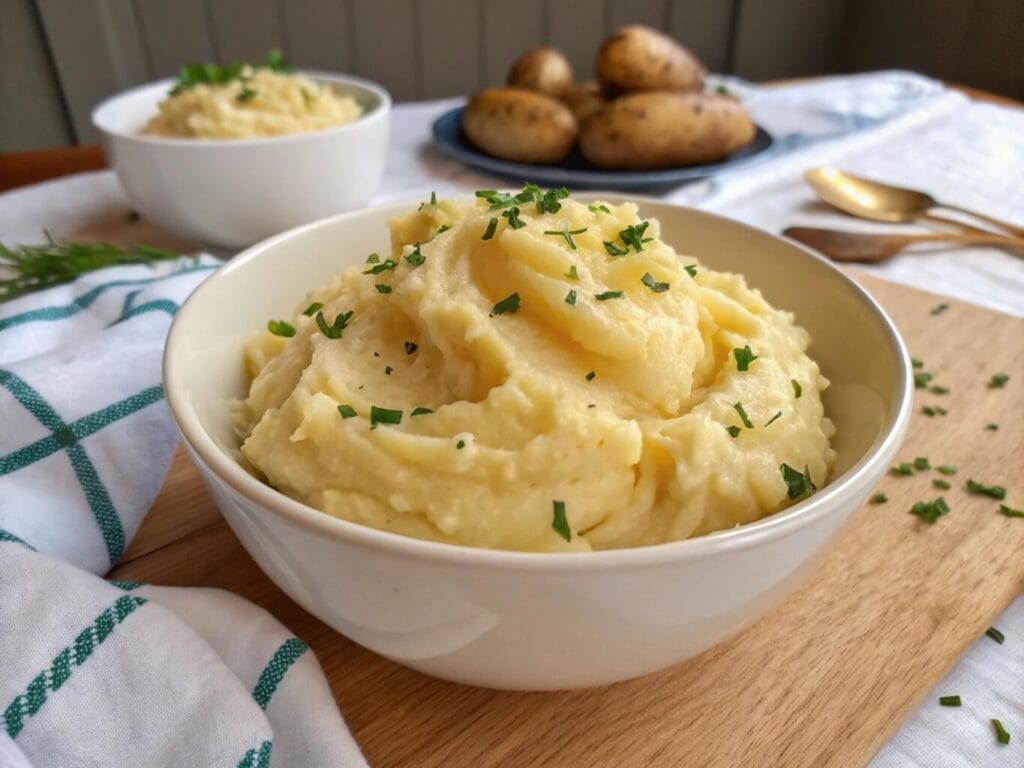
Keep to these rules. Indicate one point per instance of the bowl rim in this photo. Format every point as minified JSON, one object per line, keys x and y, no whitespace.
{"x":378,"y":112}
{"x":229,"y":471}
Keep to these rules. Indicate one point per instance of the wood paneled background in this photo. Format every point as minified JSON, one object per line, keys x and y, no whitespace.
{"x":58,"y":58}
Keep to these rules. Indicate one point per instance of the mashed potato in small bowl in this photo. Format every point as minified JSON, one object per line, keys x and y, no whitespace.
{"x":532,"y":441}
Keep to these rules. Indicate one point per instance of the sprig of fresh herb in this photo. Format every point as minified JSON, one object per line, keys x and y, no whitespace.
{"x":191,"y":75}
{"x":335,"y":329}
{"x":633,"y":236}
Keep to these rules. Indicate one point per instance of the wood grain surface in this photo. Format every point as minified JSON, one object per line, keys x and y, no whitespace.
{"x":823,"y":680}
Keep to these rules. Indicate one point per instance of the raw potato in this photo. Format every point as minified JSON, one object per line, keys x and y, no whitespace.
{"x":519,"y":125}
{"x":585,"y":100}
{"x":544,"y":70}
{"x":662,"y":130}
{"x":638,"y":58}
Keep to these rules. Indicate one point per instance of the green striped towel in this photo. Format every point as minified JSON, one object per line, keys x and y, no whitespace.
{"x":102,"y":673}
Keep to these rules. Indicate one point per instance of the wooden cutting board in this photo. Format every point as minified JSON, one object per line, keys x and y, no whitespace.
{"x":823,"y":680}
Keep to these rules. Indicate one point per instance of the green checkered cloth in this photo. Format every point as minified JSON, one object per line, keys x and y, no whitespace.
{"x":95,"y":672}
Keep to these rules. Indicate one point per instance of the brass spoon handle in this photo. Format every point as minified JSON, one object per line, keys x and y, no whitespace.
{"x":1011,"y":228}
{"x":870,"y":247}
{"x":963,"y":226}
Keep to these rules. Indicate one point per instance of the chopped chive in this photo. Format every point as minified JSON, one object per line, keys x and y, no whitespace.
{"x":570,"y":298}
{"x":492,"y":227}
{"x":384,"y":266}
{"x":797,"y":389}
{"x":1001,"y":733}
{"x":566,"y":234}
{"x":373,"y":258}
{"x":992,"y":426}
{"x":410,"y":347}
{"x":979,"y":489}
{"x":1010,"y":511}
{"x":922,"y":379}
{"x":691,"y":270}
{"x":940,"y":410}
{"x":903,"y":469}
{"x":246,"y":94}
{"x":939,"y":309}
{"x":381,"y":288}
{"x":653,"y":284}
{"x":346,"y":411}
{"x":559,"y":521}
{"x":414,"y":257}
{"x":949,"y":701}
{"x":879,"y":498}
{"x":384,"y":416}
{"x":334,"y":330}
{"x":941,"y":484}
{"x":798,"y":484}
{"x":935,"y":389}
{"x":744,"y":357}
{"x":608,"y":295}
{"x":996,"y":635}
{"x":508,"y":305}
{"x":930,"y":511}
{"x":733,"y":430}
{"x":743,"y":415}
{"x":572,"y":274}
{"x":312,"y":309}
{"x":916,"y":363}
{"x":998,"y":381}
{"x":281,"y":328}
{"x":946,"y":469}
{"x":633,"y":236}
{"x":933,"y":410}
{"x":614,"y":250}
{"x":773,"y":418}
{"x":420,"y":411}
{"x":460,"y":445}
{"x":512,"y":214}
{"x":590,"y":376}
{"x":442,"y":229}
{"x":921,"y":462}
{"x":433,"y":198}
{"x":598,"y":208}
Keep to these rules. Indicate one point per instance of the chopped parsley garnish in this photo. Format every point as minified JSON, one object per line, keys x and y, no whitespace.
{"x":939,"y":309}
{"x":384,"y":416}
{"x":653,"y":284}
{"x":512,"y":214}
{"x":547,"y":202}
{"x":992,"y":426}
{"x":608,"y":295}
{"x":570,"y":298}
{"x":797,"y":389}
{"x":598,"y":208}
{"x":508,"y":305}
{"x":334,"y":330}
{"x":414,"y":257}
{"x":385,"y":266}
{"x":799,"y":484}
{"x":312,"y":309}
{"x":460,"y":445}
{"x":559,"y":521}
{"x":949,"y":701}
{"x":879,"y":498}
{"x":591,"y":375}
{"x":946,"y":469}
{"x":410,"y":347}
{"x":721,"y":90}
{"x":246,"y":94}
{"x":733,"y":430}
{"x":1010,"y":511}
{"x":496,"y":199}
{"x":381,"y":288}
{"x":1001,"y":733}
{"x":743,"y":415}
{"x":916,"y":363}
{"x":922,"y":379}
{"x":996,"y":635}
{"x":930,"y":511}
{"x":567,"y":234}
{"x":614,"y":250}
{"x":903,"y":469}
{"x":933,"y":410}
{"x":691,"y":270}
{"x":346,"y":411}
{"x":281,"y":328}
{"x":935,"y":389}
{"x":744,"y":357}
{"x":442,"y":229}
{"x":373,"y":258}
{"x":941,"y":484}
{"x":633,"y":236}
{"x":921,"y":462}
{"x":191,"y":75}
{"x":420,"y":411}
{"x":492,"y":227}
{"x":572,"y":274}
{"x":773,"y":418}
{"x":998,"y":381}
{"x":388,"y":370}
{"x":979,"y":489}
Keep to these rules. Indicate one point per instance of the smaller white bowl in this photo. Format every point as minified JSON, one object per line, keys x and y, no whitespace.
{"x":235,"y":192}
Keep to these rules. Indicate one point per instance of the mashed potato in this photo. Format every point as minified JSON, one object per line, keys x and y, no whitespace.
{"x":525,"y":370}
{"x":261,"y":102}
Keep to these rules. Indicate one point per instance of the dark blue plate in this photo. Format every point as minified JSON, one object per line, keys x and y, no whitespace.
{"x":576,"y":172}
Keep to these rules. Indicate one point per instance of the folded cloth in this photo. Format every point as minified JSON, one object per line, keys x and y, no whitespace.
{"x":98,"y":673}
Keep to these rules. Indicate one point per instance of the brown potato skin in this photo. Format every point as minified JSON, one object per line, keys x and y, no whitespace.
{"x":585,"y":100}
{"x":665,"y":129}
{"x":545,"y":70}
{"x":519,"y":125}
{"x":638,"y":58}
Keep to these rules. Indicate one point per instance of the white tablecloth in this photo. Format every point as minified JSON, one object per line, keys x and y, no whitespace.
{"x":892,"y":126}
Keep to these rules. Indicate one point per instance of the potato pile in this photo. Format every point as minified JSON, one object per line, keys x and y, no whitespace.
{"x":646,"y":111}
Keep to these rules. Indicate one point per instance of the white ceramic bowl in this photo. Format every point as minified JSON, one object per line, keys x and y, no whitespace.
{"x":521,"y":620}
{"x":234,"y":192}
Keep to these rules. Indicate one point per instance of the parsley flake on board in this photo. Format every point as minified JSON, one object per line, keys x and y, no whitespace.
{"x":743,"y":415}
{"x":946,"y":469}
{"x":385,"y":266}
{"x":281,"y":328}
{"x":922,"y":379}
{"x":334,"y":330}
{"x":653,"y":284}
{"x":570,"y":298}
{"x":414,"y":257}
{"x":798,"y":484}
{"x":507,"y":306}
{"x":996,"y":635}
{"x":935,"y":389}
{"x":384,"y":416}
{"x":941,"y":484}
{"x":312,"y":309}
{"x":992,"y":426}
{"x":930,"y":511}
{"x":916,"y":363}
{"x":560,"y":522}
{"x":992,"y":491}
{"x":998,"y":381}
{"x":608,"y":295}
{"x":346,"y":411}
{"x":744,"y":357}
{"x":1010,"y":511}
{"x":921,"y":462}
{"x":903,"y":469}
{"x":879,"y":498}
{"x":949,"y":701}
{"x":1002,"y":734}
{"x":939,"y":309}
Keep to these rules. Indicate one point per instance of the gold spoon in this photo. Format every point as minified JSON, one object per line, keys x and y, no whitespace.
{"x":869,"y":247}
{"x":883,"y":202}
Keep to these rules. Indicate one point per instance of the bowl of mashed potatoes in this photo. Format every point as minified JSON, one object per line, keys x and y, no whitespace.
{"x":534,"y":441}
{"x":227,"y":156}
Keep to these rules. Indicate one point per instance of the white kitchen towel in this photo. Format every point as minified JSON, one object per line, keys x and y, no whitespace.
{"x":98,"y":673}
